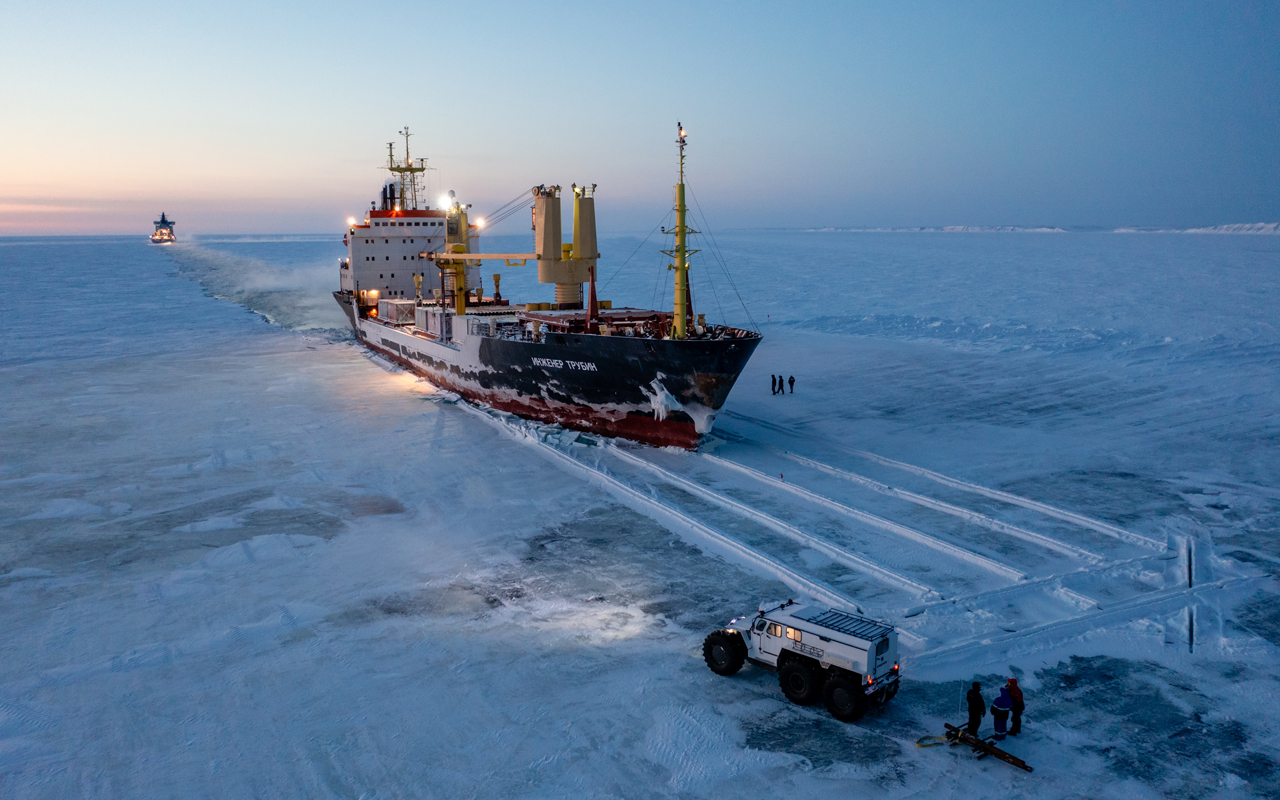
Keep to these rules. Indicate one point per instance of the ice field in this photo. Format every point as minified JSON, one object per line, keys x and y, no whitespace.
{"x":240,"y":557}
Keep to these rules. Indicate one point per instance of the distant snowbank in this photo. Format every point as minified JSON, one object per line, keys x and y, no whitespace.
{"x":1245,"y":227}
{"x":945,"y":229}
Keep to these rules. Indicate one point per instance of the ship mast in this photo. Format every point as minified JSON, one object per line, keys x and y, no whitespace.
{"x":406,"y":171}
{"x":682,"y":313}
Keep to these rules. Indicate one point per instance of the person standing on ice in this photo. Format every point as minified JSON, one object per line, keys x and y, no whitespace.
{"x":773,"y":383}
{"x":1015,"y":696}
{"x":781,"y":389}
{"x":977,"y":708}
{"x":1000,"y":712}
{"x":792,"y":383}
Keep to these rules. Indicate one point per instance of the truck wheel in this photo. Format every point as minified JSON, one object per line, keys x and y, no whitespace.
{"x":844,"y":697}
{"x":799,"y":682}
{"x":724,"y":652}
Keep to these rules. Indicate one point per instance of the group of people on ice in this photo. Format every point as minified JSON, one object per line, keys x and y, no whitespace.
{"x":780,"y":386}
{"x":1006,"y":710}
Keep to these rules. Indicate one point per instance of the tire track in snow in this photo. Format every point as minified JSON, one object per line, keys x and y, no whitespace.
{"x":973,"y":488}
{"x":1084,"y":601}
{"x":790,"y":531}
{"x":878,"y":522}
{"x":1013,"y":499}
{"x":937,"y":505}
{"x":1175,"y":597}
{"x":673,"y":519}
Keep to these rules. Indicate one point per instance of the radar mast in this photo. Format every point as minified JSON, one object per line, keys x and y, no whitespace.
{"x":406,"y":171}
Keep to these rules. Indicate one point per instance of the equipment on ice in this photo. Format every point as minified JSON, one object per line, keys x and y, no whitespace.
{"x":983,"y":747}
{"x":844,"y":659}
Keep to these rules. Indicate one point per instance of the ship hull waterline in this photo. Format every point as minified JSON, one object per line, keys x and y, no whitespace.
{"x":653,"y":391}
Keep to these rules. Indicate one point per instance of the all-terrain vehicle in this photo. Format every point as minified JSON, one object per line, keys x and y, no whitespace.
{"x":841,"y":657}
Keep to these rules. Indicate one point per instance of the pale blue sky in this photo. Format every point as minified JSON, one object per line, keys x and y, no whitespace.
{"x":258,"y":117}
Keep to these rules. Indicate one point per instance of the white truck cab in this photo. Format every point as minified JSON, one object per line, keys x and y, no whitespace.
{"x":844,"y":658}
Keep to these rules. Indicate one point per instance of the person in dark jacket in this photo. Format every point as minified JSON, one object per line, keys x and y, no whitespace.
{"x":792,"y":383}
{"x":1000,"y":712}
{"x":1015,"y":695}
{"x":773,"y":383}
{"x":781,"y":389}
{"x":977,"y":708}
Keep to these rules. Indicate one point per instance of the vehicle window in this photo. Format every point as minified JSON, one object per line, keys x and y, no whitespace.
{"x":760,"y":624}
{"x":882,"y":647}
{"x":793,"y":634}
{"x":774,"y":629}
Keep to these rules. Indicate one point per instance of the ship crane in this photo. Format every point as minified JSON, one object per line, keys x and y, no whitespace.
{"x":569,"y":266}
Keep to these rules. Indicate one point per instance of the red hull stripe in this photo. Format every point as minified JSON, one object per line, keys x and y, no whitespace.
{"x":639,"y":428}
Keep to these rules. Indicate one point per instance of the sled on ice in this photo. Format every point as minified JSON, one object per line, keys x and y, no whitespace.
{"x":983,"y":747}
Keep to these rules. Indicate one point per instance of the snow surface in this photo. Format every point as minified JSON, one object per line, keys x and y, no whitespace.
{"x":240,"y":557}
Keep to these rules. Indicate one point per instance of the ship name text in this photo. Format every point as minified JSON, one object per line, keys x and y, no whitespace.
{"x":557,"y":363}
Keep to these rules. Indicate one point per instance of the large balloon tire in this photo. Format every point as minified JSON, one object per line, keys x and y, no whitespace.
{"x":799,"y":682}
{"x":724,"y":652}
{"x":845,"y":697}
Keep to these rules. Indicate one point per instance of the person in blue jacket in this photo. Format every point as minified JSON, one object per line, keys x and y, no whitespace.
{"x":1000,"y":712}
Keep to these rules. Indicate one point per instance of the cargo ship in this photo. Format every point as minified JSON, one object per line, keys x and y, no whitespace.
{"x":412,"y":291}
{"x":164,"y":231}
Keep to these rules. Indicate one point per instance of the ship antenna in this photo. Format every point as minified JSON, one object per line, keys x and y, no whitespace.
{"x":680,"y":140}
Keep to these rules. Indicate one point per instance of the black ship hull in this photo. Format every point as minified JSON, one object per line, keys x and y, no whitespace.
{"x":661,"y":392}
